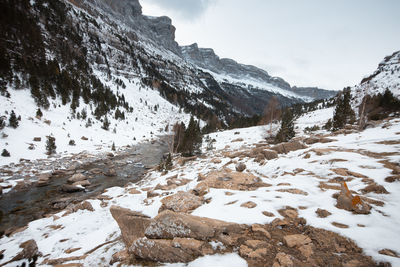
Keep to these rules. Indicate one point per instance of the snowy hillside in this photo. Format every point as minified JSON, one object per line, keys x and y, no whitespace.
{"x":283,"y":189}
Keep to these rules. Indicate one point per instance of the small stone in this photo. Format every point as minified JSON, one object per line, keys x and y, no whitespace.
{"x":134,"y":191}
{"x":306,"y":250}
{"x":240,"y":167}
{"x":110,"y":172}
{"x":245,"y":251}
{"x":340,"y":225}
{"x":255,"y":244}
{"x":249,"y":205}
{"x":375,"y":188}
{"x":283,"y":260}
{"x":84,"y":138}
{"x":256,"y":228}
{"x":76,"y":178}
{"x":296,"y":240}
{"x":268,"y":214}
{"x":119,"y":256}
{"x":389,"y":252}
{"x":71,"y":188}
{"x":258,"y":253}
{"x":82,"y":183}
{"x":322,"y":213}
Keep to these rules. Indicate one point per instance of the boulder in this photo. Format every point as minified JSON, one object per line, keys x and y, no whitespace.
{"x":287,"y":147}
{"x":169,"y":224}
{"x":110,"y":172}
{"x":240,"y":167}
{"x":172,"y":251}
{"x":296,"y":240}
{"x":29,"y":251}
{"x":67,"y":188}
{"x":375,"y":188}
{"x":131,"y":223}
{"x":76,"y":178}
{"x":348,"y":202}
{"x":181,"y":202}
{"x":37,"y":139}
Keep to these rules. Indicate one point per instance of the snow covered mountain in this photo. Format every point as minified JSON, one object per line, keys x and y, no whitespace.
{"x":103,"y":70}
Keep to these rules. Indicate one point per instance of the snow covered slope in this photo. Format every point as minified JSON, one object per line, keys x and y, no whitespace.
{"x":387,"y":76}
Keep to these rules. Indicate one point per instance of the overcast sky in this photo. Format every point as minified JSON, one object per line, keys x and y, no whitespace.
{"x":329,"y":44}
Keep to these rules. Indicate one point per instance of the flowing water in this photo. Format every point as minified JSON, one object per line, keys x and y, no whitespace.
{"x":18,"y":208}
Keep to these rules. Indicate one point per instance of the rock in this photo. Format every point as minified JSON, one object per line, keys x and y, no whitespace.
{"x":322,"y":213}
{"x":268,"y":214}
{"x":258,"y":229}
{"x":293,"y":191}
{"x":131,"y":223}
{"x":375,"y":188}
{"x":110,"y":172}
{"x":296,"y":240}
{"x":172,"y":251}
{"x":244,"y":251}
{"x":288,"y":147}
{"x":269,"y":154}
{"x":237,"y":140}
{"x":181,"y":161}
{"x":201,"y":189}
{"x":85,"y":205}
{"x":71,"y":250}
{"x":181,"y":202}
{"x":216,"y":160}
{"x":67,"y":188}
{"x":259,"y":253}
{"x":96,"y":171}
{"x":233,"y":180}
{"x":82,"y":183}
{"x":249,"y":205}
{"x":346,"y":201}
{"x":240,"y":167}
{"x":120,"y":256}
{"x":256,"y":244}
{"x":84,"y":138}
{"x":352,"y":263}
{"x":282,"y":260}
{"x":110,"y":154}
{"x":340,"y":225}
{"x":76,"y":178}
{"x":37,"y":139}
{"x":317,"y":139}
{"x":29,"y":251}
{"x":151,"y":194}
{"x":169,"y":224}
{"x":134,"y":191}
{"x":306,"y":250}
{"x":389,"y":252}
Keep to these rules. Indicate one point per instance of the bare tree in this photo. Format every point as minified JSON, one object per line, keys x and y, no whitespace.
{"x":271,"y":112}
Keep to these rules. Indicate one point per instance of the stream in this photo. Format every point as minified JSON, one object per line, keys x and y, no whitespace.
{"x":19,"y":207}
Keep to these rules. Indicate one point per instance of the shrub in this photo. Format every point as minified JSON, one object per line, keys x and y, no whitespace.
{"x":5,"y":153}
{"x":51,"y":145}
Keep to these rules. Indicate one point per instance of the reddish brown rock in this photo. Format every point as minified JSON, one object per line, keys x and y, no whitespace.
{"x":162,"y":250}
{"x":181,"y":202}
{"x":131,"y":223}
{"x":296,"y":240}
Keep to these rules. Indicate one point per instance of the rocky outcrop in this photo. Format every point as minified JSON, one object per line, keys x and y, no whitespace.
{"x":131,"y":223}
{"x":177,"y":237}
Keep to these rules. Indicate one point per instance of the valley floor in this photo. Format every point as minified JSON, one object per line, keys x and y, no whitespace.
{"x":274,"y":191}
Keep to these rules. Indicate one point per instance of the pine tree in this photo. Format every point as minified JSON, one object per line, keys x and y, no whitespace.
{"x":343,"y":112}
{"x":106,"y":124}
{"x":2,"y":122}
{"x":113,"y":146}
{"x":286,"y":132}
{"x":5,"y":153}
{"x":192,"y":138}
{"x":13,"y":121}
{"x":51,"y":145}
{"x":39,"y":113}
